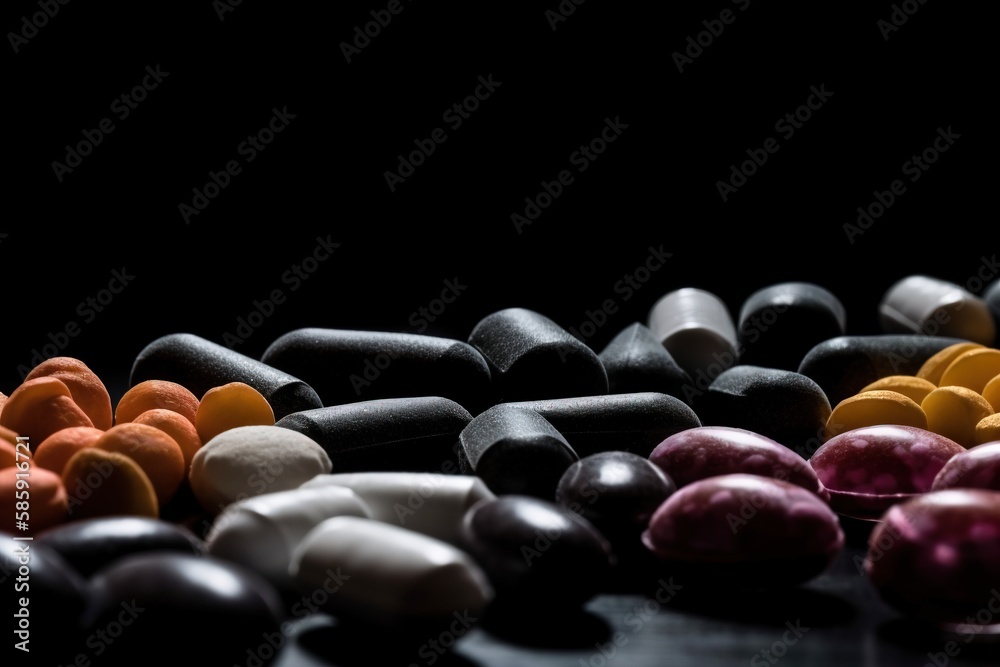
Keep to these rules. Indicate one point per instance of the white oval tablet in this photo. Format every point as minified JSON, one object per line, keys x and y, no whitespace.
{"x":388,"y":574}
{"x":430,"y":503}
{"x":260,"y":533}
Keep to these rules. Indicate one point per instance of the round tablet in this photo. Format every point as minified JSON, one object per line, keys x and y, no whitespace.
{"x":934,"y":366}
{"x":972,"y":369}
{"x":908,"y":385}
{"x":954,"y":411}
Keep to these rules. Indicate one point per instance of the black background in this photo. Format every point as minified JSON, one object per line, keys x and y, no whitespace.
{"x":323,"y":176}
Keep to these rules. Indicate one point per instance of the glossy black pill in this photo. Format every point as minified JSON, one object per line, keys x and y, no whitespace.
{"x":389,"y":434}
{"x":616,"y":422}
{"x":90,"y":544}
{"x":617,"y":492}
{"x":515,"y":451}
{"x":530,"y":357}
{"x":345,"y":366}
{"x":842,"y":366}
{"x":537,"y":551}
{"x":636,"y":361}
{"x":160,"y":604}
{"x":199,"y":364}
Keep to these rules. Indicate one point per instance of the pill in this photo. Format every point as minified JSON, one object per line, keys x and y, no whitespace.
{"x":636,"y":361}
{"x":54,"y":596}
{"x":536,"y":551}
{"x":975,"y":468}
{"x":934,"y":366}
{"x":42,"y":504}
{"x":936,"y":558}
{"x":228,"y":406}
{"x":429,"y":503}
{"x":87,"y":389}
{"x":920,"y":304}
{"x":991,"y":392}
{"x":200,"y":364}
{"x":616,"y":422}
{"x":874,"y":407}
{"x":158,"y":454}
{"x":99,"y":483}
{"x":388,"y":434}
{"x":8,"y":454}
{"x":178,"y":427}
{"x":991,"y":295}
{"x":54,"y":451}
{"x":248,"y":461}
{"x":153,"y":395}
{"x":531,"y":357}
{"x":515,"y":450}
{"x":745,"y":531}
{"x":345,"y":365}
{"x":391,"y":576}
{"x":697,"y":329}
{"x":261,"y":532}
{"x":709,"y":451}
{"x":39,"y":407}
{"x":954,"y":411}
{"x":869,"y":469}
{"x":618,"y":493}
{"x":783,"y":405}
{"x":845,"y":364}
{"x":972,"y":369}
{"x":166,"y":594}
{"x":987,"y":429}
{"x":92,"y":544}
{"x":779,"y":323}
{"x":911,"y":386}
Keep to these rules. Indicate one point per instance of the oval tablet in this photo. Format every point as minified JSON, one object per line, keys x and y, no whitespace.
{"x":251,"y":460}
{"x":954,"y":411}
{"x":912,"y":386}
{"x":746,"y":531}
{"x":934,"y":366}
{"x":987,"y":429}
{"x":709,"y":451}
{"x":976,"y":468}
{"x":261,"y":532}
{"x":972,"y":369}
{"x":390,"y":575}
{"x":867,"y":470}
{"x":937,"y":558}
{"x":430,"y":503}
{"x":872,"y":408}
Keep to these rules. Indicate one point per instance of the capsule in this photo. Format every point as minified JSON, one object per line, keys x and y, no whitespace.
{"x":920,"y":304}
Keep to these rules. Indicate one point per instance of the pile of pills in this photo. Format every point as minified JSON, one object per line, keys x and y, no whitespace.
{"x":513,"y":470}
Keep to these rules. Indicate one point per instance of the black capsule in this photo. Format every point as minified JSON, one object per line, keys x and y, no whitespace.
{"x":636,"y":361}
{"x":199,"y":364}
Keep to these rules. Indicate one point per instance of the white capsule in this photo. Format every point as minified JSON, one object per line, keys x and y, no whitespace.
{"x":377,"y":572}
{"x":430,"y":503}
{"x":924,"y":305}
{"x":261,"y":532}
